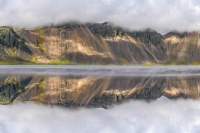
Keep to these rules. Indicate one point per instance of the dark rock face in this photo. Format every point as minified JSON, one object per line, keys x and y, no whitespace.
{"x":11,"y":87}
{"x":12,"y":46}
{"x":9,"y":38}
{"x":175,"y":33}
{"x":147,"y":93}
{"x":105,"y":30}
{"x":8,"y":93}
{"x":148,"y":36}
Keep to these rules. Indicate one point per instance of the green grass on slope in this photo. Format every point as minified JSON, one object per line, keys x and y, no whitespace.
{"x":16,"y":62}
{"x":59,"y":63}
{"x":12,"y":62}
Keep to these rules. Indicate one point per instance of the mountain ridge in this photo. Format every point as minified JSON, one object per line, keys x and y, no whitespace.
{"x":102,"y":43}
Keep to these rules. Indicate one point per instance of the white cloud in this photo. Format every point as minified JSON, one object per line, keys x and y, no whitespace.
{"x":161,"y":116}
{"x":161,"y":15}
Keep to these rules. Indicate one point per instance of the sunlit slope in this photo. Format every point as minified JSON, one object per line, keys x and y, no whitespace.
{"x":94,"y":44}
{"x":183,"y":48}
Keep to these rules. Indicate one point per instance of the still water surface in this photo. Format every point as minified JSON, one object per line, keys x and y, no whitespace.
{"x":108,"y":99}
{"x":73,"y":86}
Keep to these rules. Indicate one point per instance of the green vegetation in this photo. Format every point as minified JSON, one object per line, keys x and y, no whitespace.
{"x":59,"y":63}
{"x":149,"y":63}
{"x":33,"y":62}
{"x":41,"y":91}
{"x":122,"y":62}
{"x":12,"y":62}
{"x":66,"y":84}
{"x":41,"y":39}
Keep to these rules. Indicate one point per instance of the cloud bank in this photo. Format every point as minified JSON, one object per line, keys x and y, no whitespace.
{"x":160,"y":15}
{"x":161,"y":116}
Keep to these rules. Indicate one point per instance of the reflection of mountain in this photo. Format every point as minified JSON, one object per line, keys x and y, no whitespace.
{"x":95,"y":91}
{"x":184,"y":87}
{"x":11,"y":87}
{"x":97,"y":44}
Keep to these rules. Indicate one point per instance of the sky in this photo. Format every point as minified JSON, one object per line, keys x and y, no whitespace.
{"x":160,"y":116}
{"x":160,"y":15}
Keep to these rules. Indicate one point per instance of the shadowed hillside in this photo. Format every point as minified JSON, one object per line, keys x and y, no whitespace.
{"x":12,"y":46}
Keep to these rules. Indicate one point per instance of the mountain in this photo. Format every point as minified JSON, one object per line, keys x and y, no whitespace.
{"x":98,"y":43}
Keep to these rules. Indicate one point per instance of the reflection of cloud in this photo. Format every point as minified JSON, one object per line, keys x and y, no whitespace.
{"x":161,"y":15}
{"x":161,"y":116}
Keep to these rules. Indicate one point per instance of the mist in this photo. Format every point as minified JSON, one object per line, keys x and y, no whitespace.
{"x":163,"y":116}
{"x":160,"y":15}
{"x":100,"y":70}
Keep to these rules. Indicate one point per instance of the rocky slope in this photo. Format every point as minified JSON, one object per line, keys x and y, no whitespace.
{"x":183,"y":48}
{"x":12,"y":46}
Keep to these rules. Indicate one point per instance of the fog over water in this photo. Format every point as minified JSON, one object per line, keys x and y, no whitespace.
{"x":106,"y":70}
{"x":162,"y":115}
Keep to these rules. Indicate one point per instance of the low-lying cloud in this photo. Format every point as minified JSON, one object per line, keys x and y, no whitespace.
{"x":160,"y":15}
{"x":161,"y":116}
